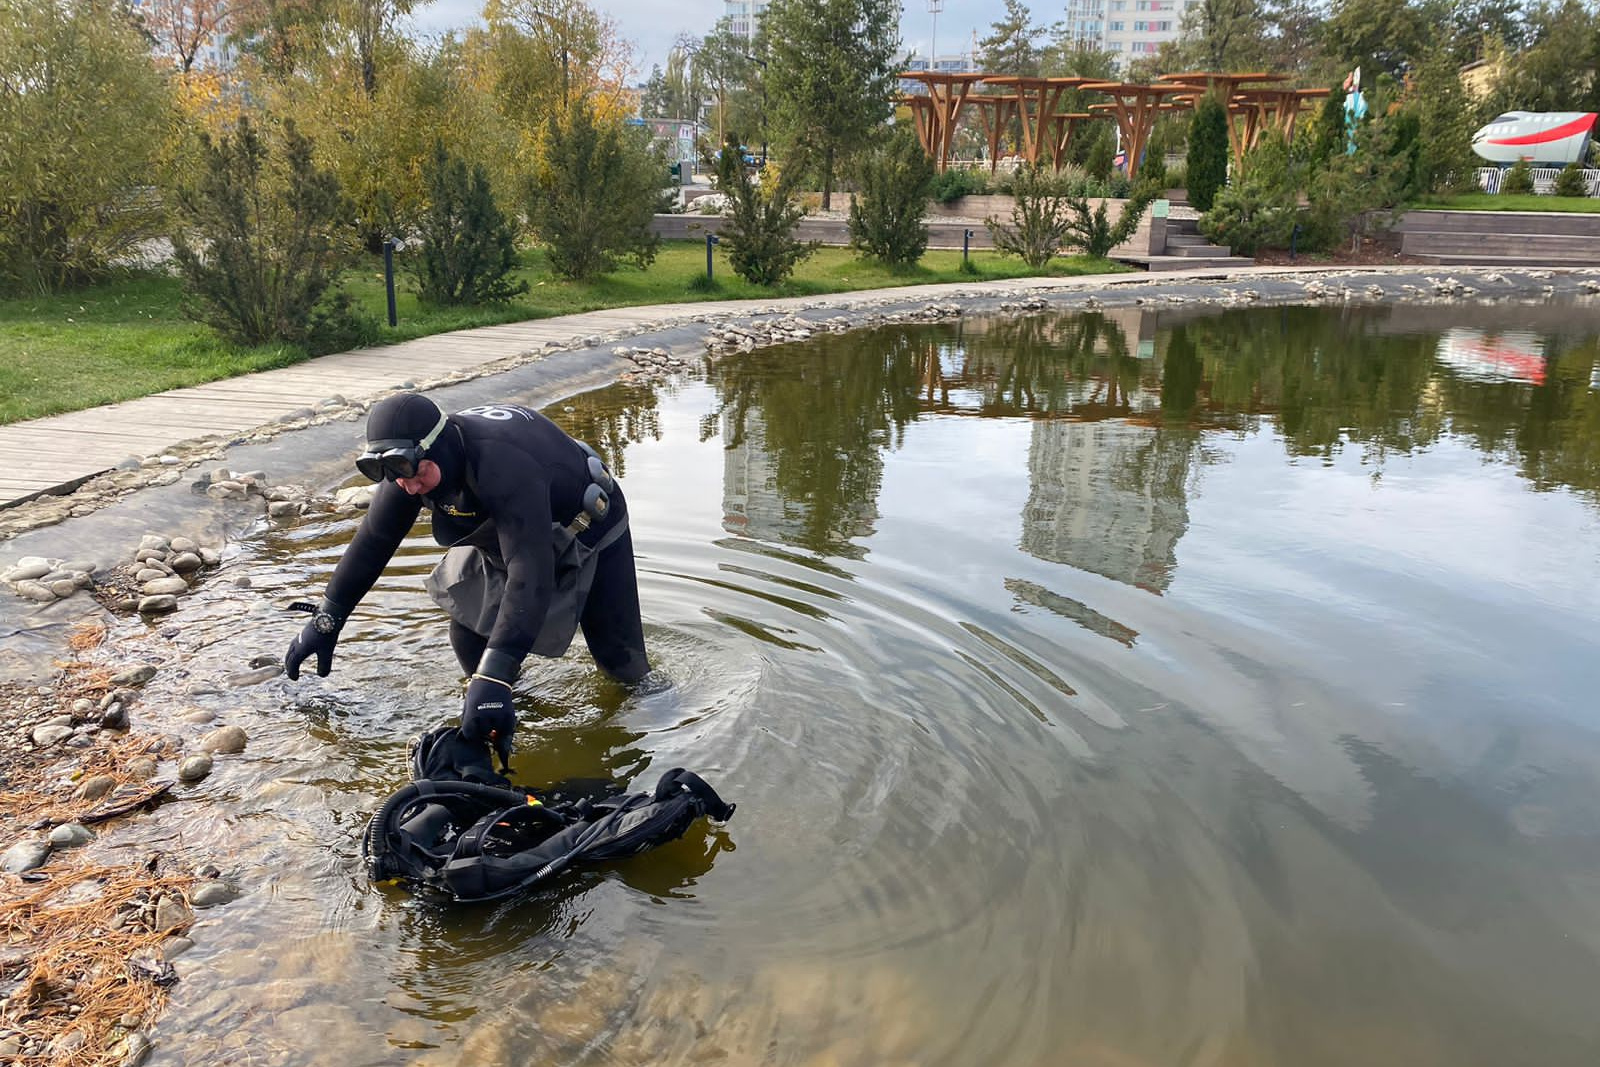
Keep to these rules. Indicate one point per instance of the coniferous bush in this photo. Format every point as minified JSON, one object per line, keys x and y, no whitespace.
{"x":1039,"y":221}
{"x":1570,"y":182}
{"x":1101,"y":154}
{"x":595,"y":194}
{"x":1088,"y":229}
{"x":1518,"y":180}
{"x":1207,"y":167}
{"x":891,"y":202}
{"x":468,"y":245}
{"x":758,"y":227}
{"x":262,"y":240}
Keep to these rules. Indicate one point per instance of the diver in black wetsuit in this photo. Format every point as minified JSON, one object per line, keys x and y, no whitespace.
{"x":539,"y":541}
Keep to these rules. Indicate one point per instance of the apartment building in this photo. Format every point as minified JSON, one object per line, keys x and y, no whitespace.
{"x":744,"y":15}
{"x":1129,"y":29}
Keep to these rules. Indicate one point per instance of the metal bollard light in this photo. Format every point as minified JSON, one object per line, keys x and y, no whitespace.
{"x":711,"y":239}
{"x":389,"y":246}
{"x":966,"y":244}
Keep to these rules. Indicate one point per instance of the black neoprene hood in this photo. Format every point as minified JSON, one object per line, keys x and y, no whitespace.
{"x":402,"y":417}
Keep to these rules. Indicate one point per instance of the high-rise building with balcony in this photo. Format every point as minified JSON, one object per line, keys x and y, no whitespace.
{"x":1128,"y":29}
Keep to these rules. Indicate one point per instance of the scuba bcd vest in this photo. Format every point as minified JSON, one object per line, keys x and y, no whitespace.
{"x":474,"y":841}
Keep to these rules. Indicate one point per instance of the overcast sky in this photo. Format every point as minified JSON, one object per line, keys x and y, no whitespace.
{"x":651,"y":26}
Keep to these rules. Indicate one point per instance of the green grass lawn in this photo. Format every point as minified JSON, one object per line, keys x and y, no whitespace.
{"x":128,"y":338}
{"x":1586,"y":205}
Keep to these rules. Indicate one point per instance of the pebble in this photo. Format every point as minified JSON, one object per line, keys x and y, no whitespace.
{"x":114,"y":717}
{"x":194,"y":768}
{"x":210,"y":557}
{"x":164,"y":586}
{"x":68,"y":1043}
{"x":226,"y":739}
{"x":142,"y":767}
{"x":150,"y":574}
{"x":186,"y":562}
{"x":133,"y":1049}
{"x":255,"y":677}
{"x":134,"y":675}
{"x":82,"y":706}
{"x":173,"y":947}
{"x":210,"y":894}
{"x":284,"y":509}
{"x":183,"y":544}
{"x":171,"y":914}
{"x":50,"y":734}
{"x":24,"y":856}
{"x":144,"y":555}
{"x":242,"y":582}
{"x":64,"y":587}
{"x":200,"y":715}
{"x":96,"y":786}
{"x":35,"y":591}
{"x":155,"y":605}
{"x":71,"y":835}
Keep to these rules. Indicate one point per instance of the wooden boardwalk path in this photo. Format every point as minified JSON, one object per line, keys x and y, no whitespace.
{"x":62,"y":451}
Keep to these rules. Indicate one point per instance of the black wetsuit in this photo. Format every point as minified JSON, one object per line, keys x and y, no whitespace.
{"x":507,"y":475}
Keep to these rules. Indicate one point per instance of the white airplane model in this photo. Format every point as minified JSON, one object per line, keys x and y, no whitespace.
{"x":1554,"y":137}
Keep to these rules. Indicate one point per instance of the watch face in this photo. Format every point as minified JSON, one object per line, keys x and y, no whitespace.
{"x":323,"y":622}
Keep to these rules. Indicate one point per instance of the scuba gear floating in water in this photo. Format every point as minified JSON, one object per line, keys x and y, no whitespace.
{"x":469,"y":841}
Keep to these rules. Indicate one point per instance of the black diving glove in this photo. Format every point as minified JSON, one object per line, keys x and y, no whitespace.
{"x":488,"y":714}
{"x":319,"y":637}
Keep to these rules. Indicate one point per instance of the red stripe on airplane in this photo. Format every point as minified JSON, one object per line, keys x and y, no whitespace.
{"x":1558,"y":133}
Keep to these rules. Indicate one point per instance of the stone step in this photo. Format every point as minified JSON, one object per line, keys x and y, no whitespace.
{"x":1204,"y":251}
{"x":1500,"y":222}
{"x":1184,"y":239}
{"x":1471,"y":260}
{"x":1155,"y":264}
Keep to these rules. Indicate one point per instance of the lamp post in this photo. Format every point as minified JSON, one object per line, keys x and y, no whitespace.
{"x":763,"y":65}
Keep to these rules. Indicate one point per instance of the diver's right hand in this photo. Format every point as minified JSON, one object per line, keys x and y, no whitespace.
{"x":318,"y":637}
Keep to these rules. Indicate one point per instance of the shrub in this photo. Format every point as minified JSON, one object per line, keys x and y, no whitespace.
{"x":1102,"y":152}
{"x":1207,"y":166}
{"x":263,"y":242}
{"x":1571,"y":182}
{"x":1249,"y":215}
{"x":886,"y":214}
{"x":468,"y":245}
{"x":759,"y":232}
{"x":595,"y":194}
{"x":1089,"y":230}
{"x":1039,"y":224}
{"x":954,"y":184}
{"x":1518,"y":181}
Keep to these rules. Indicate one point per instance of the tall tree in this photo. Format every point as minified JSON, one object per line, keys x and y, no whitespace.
{"x":369,"y":23}
{"x":831,"y":75}
{"x":1389,"y":35}
{"x":1223,"y":33}
{"x":1559,"y":70}
{"x":1012,"y":46}
{"x":82,"y":115}
{"x":724,"y":65}
{"x":180,"y":28}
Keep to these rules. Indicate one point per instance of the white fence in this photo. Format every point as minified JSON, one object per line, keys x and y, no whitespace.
{"x":1544,"y":179}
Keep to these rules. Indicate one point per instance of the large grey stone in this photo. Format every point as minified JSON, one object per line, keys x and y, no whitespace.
{"x":50,"y":734}
{"x":71,"y":835}
{"x":134,"y":675}
{"x":143,"y":767}
{"x":194,"y":768}
{"x":171,"y":914}
{"x":163,"y":586}
{"x":24,"y":856}
{"x":28,"y":568}
{"x":225,"y":739}
{"x":96,"y":786}
{"x":185,"y":562}
{"x":63,"y":588}
{"x":184,"y":544}
{"x":211,"y":893}
{"x":35,"y":591}
{"x":155,"y":605}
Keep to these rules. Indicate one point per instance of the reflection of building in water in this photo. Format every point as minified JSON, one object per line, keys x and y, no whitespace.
{"x":753,"y":503}
{"x":1108,"y":497}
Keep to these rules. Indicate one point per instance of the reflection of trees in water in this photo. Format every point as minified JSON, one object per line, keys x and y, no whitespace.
{"x":818,"y":424}
{"x":1328,"y":378}
{"x":610,"y":419}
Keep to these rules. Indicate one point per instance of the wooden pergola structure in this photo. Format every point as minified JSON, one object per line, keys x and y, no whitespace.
{"x":1059,"y":134}
{"x":947,"y":95}
{"x":1037,"y":100}
{"x":1264,"y":109}
{"x":1195,"y":84}
{"x":995,"y":111}
{"x":1135,"y":108}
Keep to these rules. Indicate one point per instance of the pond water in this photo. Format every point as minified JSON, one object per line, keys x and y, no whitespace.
{"x":1107,"y":689}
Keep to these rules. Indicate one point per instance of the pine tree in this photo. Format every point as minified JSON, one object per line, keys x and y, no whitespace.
{"x":831,"y":76}
{"x":1518,"y":180}
{"x":1571,"y":182}
{"x":1207,"y":167}
{"x":468,"y":245}
{"x":595,"y":194}
{"x":758,"y":229}
{"x":261,"y":243}
{"x":1012,"y":46}
{"x":891,"y":201}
